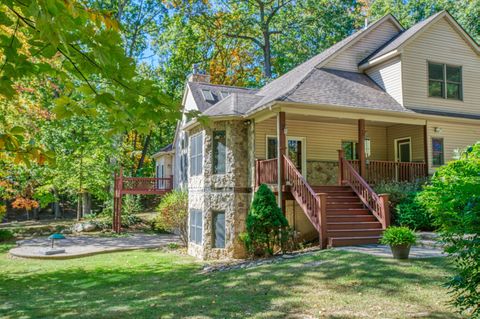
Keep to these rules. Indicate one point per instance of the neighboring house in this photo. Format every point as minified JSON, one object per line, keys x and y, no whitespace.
{"x":164,"y":165}
{"x":397,"y":102}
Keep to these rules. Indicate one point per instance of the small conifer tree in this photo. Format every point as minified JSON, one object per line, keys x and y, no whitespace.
{"x":265,"y":223}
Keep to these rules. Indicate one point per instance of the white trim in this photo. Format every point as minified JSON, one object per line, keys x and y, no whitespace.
{"x":395,"y":141}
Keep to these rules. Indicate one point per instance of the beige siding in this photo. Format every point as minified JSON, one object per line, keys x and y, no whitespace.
{"x":388,"y":76}
{"x":322,"y":139}
{"x":348,"y":60}
{"x":456,"y":137}
{"x":440,"y":43}
{"x":414,"y":132}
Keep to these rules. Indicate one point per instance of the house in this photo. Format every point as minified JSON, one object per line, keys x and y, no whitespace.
{"x":163,"y":165}
{"x":385,"y":103}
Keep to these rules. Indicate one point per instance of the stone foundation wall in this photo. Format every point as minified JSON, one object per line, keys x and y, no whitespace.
{"x":322,"y":172}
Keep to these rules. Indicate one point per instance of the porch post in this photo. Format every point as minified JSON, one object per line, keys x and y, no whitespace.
{"x":425,"y":148}
{"x":282,"y":139}
{"x":361,"y":146}
{"x":340,"y":167}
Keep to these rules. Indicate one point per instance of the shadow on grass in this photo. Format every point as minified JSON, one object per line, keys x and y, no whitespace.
{"x":157,"y":285}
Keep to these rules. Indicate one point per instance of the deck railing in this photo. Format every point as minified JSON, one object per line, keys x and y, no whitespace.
{"x":388,"y":171}
{"x":266,"y":171}
{"x":377,"y":204}
{"x":313,"y":204}
{"x":146,"y":185}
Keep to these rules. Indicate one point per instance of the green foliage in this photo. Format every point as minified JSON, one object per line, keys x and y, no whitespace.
{"x":398,"y":191}
{"x":412,"y":213}
{"x":266,"y":224}
{"x":173,"y":214}
{"x":6,"y":235}
{"x":396,"y":236}
{"x":453,"y":198}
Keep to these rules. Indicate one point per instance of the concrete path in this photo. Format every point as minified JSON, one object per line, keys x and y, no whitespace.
{"x":89,"y":245}
{"x":384,"y":251}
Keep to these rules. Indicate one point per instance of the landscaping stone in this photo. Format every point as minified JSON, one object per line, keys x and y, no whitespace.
{"x":84,"y":227}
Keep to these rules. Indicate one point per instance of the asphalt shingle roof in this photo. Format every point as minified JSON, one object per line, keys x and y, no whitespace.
{"x":342,"y":88}
{"x":234,"y":104}
{"x":197,"y":87}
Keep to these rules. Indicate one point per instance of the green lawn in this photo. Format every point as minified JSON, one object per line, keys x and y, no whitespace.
{"x":154,"y":284}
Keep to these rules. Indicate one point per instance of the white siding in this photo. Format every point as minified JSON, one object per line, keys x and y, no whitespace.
{"x":348,"y":59}
{"x":440,"y":43}
{"x":388,"y":76}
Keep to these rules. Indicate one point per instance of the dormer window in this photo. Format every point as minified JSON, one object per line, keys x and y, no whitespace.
{"x":445,"y":81}
{"x":207,"y":95}
{"x":224,"y":94}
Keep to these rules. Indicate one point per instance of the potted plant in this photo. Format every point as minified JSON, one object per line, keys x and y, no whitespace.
{"x":400,"y":239}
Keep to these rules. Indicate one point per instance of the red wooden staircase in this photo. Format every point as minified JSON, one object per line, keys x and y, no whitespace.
{"x":349,"y":222}
{"x":348,"y":214}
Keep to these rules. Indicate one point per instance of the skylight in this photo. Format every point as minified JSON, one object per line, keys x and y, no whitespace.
{"x":224,"y":94}
{"x":207,"y":95}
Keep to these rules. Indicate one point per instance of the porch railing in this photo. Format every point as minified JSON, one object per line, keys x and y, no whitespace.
{"x":377,"y":204}
{"x":313,"y":204}
{"x":266,"y":171}
{"x":388,"y":171}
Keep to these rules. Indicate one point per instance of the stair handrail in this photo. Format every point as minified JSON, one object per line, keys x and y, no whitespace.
{"x":312,"y":203}
{"x":376,"y":203}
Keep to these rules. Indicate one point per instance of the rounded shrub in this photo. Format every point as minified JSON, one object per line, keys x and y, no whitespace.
{"x":266,"y":224}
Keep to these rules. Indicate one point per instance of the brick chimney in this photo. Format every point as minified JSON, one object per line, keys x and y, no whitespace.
{"x":198,"y":75}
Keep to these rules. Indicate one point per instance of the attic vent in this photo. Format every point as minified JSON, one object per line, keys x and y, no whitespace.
{"x":207,"y":95}
{"x":224,"y":94}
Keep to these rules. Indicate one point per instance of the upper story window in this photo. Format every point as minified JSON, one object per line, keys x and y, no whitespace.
{"x":219,"y":152}
{"x":445,"y":81}
{"x":196,"y":154}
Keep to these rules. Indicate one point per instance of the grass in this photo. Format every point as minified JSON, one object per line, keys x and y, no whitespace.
{"x":155,"y":284}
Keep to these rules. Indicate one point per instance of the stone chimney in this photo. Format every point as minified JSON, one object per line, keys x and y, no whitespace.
{"x":198,"y":75}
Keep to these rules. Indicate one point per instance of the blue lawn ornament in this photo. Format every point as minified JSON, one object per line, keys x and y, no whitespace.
{"x":52,"y":237}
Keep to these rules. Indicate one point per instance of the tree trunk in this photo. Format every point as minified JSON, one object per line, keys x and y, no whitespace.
{"x":267,"y":55}
{"x":86,"y":203}
{"x":56,"y":206}
{"x":35,"y":213}
{"x":144,"y":153}
{"x":79,"y":206}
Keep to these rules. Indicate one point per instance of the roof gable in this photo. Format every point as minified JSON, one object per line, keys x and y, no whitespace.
{"x":406,"y":37}
{"x":285,"y":83}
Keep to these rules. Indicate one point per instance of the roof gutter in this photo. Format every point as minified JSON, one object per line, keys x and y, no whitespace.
{"x":379,"y":60}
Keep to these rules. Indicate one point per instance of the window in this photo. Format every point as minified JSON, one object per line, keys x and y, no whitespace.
{"x":207,"y":95}
{"x":196,"y":229}
{"x":218,"y":229}
{"x":224,"y":94}
{"x":196,"y":154}
{"x":437,"y":152}
{"x":219,"y":152}
{"x":271,"y":147}
{"x":350,"y":150}
{"x":445,"y":81}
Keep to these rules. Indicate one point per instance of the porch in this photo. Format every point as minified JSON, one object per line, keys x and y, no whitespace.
{"x":328,"y":166}
{"x":381,"y":151}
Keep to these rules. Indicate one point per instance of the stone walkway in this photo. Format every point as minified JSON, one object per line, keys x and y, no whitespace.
{"x":89,"y":245}
{"x":416,"y":252}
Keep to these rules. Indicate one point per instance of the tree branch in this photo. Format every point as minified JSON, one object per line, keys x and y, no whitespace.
{"x":78,"y":70}
{"x":256,"y":41}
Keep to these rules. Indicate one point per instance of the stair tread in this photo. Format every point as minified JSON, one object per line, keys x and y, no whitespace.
{"x":344,"y":223}
{"x":355,"y":237}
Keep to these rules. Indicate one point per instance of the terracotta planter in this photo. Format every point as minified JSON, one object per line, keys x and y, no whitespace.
{"x":401,"y":251}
